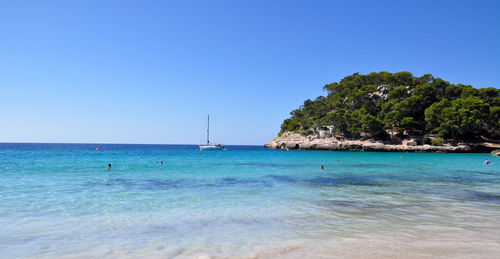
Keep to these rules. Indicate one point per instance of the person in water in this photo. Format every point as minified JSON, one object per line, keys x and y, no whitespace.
{"x":109,"y":165}
{"x":322,"y":167}
{"x":486,"y":162}
{"x":161,"y":162}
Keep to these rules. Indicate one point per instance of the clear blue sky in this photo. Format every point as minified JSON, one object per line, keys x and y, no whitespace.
{"x":150,"y":71}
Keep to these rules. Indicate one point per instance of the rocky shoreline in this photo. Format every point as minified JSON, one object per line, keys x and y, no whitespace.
{"x":296,"y":141}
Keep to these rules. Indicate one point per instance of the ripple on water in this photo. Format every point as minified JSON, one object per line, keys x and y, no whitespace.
{"x":164,"y":184}
{"x":482,"y":196}
{"x":333,"y":180}
{"x":341,"y":180}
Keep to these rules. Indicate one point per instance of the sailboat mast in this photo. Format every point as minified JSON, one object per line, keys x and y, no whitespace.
{"x":208,"y":129}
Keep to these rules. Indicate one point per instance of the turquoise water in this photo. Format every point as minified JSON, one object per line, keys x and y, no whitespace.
{"x":60,"y":200}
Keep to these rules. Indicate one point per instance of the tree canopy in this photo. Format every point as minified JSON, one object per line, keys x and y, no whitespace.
{"x":377,"y":103}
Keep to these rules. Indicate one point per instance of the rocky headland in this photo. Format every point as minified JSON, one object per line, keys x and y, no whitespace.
{"x":395,"y":112}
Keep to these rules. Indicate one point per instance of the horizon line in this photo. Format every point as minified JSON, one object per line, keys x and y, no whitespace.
{"x":96,"y":143}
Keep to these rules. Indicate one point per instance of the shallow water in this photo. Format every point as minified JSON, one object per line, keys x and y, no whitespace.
{"x":60,"y":200}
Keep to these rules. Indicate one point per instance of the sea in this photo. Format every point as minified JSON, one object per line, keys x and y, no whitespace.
{"x":62,"y":201}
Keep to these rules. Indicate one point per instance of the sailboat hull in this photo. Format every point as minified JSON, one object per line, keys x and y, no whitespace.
{"x":210,"y":147}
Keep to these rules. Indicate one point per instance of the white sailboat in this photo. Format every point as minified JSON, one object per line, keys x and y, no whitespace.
{"x":210,"y":146}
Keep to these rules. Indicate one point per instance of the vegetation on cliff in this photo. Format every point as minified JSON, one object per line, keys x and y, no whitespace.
{"x":378,"y":105}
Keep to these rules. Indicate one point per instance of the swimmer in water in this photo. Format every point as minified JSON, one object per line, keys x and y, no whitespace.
{"x":322,"y":167}
{"x":109,"y":165}
{"x":486,"y":162}
{"x":161,"y":163}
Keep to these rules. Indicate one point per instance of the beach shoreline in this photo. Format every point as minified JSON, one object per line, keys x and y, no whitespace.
{"x":452,"y":246}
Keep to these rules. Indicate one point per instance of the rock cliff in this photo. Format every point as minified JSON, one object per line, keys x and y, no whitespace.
{"x":320,"y":142}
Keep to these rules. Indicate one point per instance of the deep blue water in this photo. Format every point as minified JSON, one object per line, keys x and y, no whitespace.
{"x":60,"y":200}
